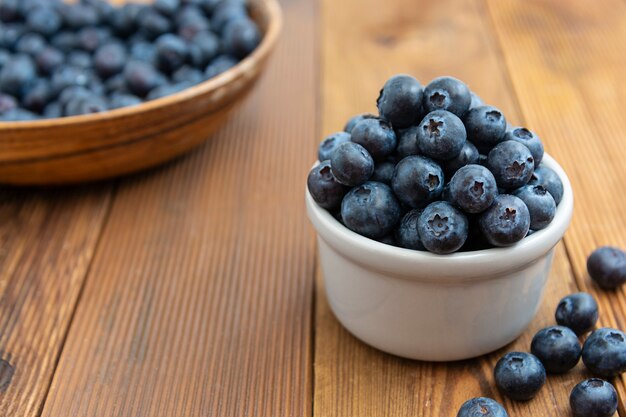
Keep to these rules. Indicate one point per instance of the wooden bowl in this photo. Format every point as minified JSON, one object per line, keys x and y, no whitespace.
{"x":104,"y":145}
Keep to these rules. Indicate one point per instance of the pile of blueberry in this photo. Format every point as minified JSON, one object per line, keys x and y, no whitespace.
{"x":556,"y":350}
{"x":436,"y":170}
{"x":59,"y":59}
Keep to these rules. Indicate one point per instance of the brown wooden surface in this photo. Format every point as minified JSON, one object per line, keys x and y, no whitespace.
{"x":191,"y":290}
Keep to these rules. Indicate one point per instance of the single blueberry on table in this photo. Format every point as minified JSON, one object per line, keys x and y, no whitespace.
{"x":376,"y":136}
{"x":511,"y":163}
{"x":593,"y":398}
{"x":447,"y":93}
{"x":407,"y":142}
{"x":579,"y":312}
{"x":325,"y":190}
{"x":473,"y":188}
{"x":406,"y":234}
{"x":351,"y":164}
{"x":549,"y":179}
{"x":482,"y":407}
{"x":400,"y":101}
{"x":354,"y":120}
{"x":604,"y":352}
{"x":417,"y":181}
{"x":506,"y":222}
{"x":468,"y":155}
{"x":557,"y":347}
{"x":486,"y":127}
{"x":442,"y":228}
{"x":529,"y":139}
{"x":519,"y":375}
{"x":240,"y":37}
{"x":607,"y":267}
{"x":371,"y":210}
{"x":540,"y":203}
{"x":383,"y":172}
{"x":441,"y":135}
{"x":330,"y":143}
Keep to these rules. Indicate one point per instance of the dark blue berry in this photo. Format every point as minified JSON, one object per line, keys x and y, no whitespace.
{"x":370,"y":209}
{"x":356,"y":119}
{"x":442,"y":228}
{"x":191,"y":22}
{"x":141,"y":78}
{"x":482,"y":407}
{"x":441,"y":135}
{"x":447,"y":93}
{"x":593,"y":398}
{"x":579,"y":312}
{"x":607,"y":267}
{"x":528,"y":139}
{"x":152,"y":24}
{"x":123,"y":20}
{"x":79,"y":15}
{"x":511,"y":163}
{"x":473,"y":188}
{"x":325,"y":190}
{"x":486,"y":127}
{"x":89,"y":39}
{"x":67,"y":76}
{"x":64,"y":41}
{"x":330,"y":143}
{"x":476,"y":101}
{"x":10,"y":34}
{"x":226,"y":12}
{"x":383,"y":172}
{"x":167,"y":90}
{"x":506,"y":222}
{"x":203,"y":48}
{"x":540,"y":203}
{"x":351,"y":164}
{"x":218,"y":65}
{"x":143,"y":51}
{"x":188,"y":74}
{"x":16,"y":74}
{"x":519,"y":375}
{"x":49,"y":59}
{"x":110,"y":59}
{"x":240,"y":37}
{"x":7,"y":102}
{"x":9,"y":10}
{"x":407,"y":235}
{"x":43,"y":20}
{"x":468,"y":155}
{"x":376,"y":136}
{"x":18,"y":115}
{"x":407,"y":142}
{"x":53,"y":110}
{"x":400,"y":101}
{"x":549,"y":179}
{"x":171,"y":52}
{"x":604,"y":352}
{"x":417,"y":181}
{"x":557,"y":348}
{"x":80,"y":59}
{"x":167,"y":7}
{"x":119,"y":100}
{"x":37,"y":95}
{"x":31,"y":44}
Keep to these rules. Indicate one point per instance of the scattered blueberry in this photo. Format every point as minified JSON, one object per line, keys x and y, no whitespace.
{"x":325,"y":190}
{"x":519,"y":375}
{"x":540,"y":203}
{"x":593,"y":398}
{"x":447,"y":93}
{"x":371,"y":210}
{"x":506,"y":222}
{"x":407,"y":235}
{"x":482,"y":407}
{"x":376,"y":136}
{"x":579,"y":312}
{"x":549,"y":179}
{"x":604,"y":352}
{"x":473,"y":188}
{"x":400,"y":101}
{"x":351,"y":164}
{"x":442,"y":228}
{"x":486,"y":127}
{"x":528,"y":139}
{"x":441,"y":135}
{"x":511,"y":163}
{"x":557,"y":348}
{"x":607,"y":267}
{"x":356,"y":119}
{"x":417,"y":181}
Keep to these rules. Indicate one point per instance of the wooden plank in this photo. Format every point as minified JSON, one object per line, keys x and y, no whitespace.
{"x":47,"y":241}
{"x":426,"y":39}
{"x":199,"y":302}
{"x":566,"y":62}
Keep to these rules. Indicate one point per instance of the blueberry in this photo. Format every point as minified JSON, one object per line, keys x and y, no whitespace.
{"x":218,"y":65}
{"x":240,"y":37}
{"x":64,"y":41}
{"x":85,"y":105}
{"x":67,"y":76}
{"x":5,"y":56}
{"x":91,"y":38}
{"x":203,"y":48}
{"x":593,"y":398}
{"x":31,"y":44}
{"x":18,"y":115}
{"x":519,"y":375}
{"x":557,"y":348}
{"x":167,"y":90}
{"x":80,"y":59}
{"x":400,"y":101}
{"x":351,"y":164}
{"x":356,"y":119}
{"x":540,"y":203}
{"x":406,"y":234}
{"x":9,"y":10}
{"x":191,"y":22}
{"x":407,"y":142}
{"x":383,"y":172}
{"x":123,"y":20}
{"x":49,"y":59}
{"x":17,"y":73}
{"x":607,"y":267}
{"x":43,"y":20}
{"x":476,"y":101}
{"x":37,"y":95}
{"x":226,"y":12}
{"x":376,"y":136}
{"x":7,"y":103}
{"x":10,"y":34}
{"x":188,"y":74}
{"x":528,"y":139}
{"x":417,"y":181}
{"x":506,"y":222}
{"x":579,"y":312}
{"x":370,"y":209}
{"x":511,"y":163}
{"x":604,"y":352}
{"x":53,"y":110}
{"x":80,"y":15}
{"x":330,"y":143}
{"x":143,"y":51}
{"x":549,"y":180}
{"x":447,"y":93}
{"x":119,"y":100}
{"x":167,"y":7}
{"x":473,"y":188}
{"x":442,"y":228}
{"x":441,"y":135}
{"x":141,"y":78}
{"x":109,"y":59}
{"x":152,"y":24}
{"x":468,"y":155}
{"x":486,"y":127}
{"x":325,"y":190}
{"x":482,"y":407}
{"x":72,"y":92}
{"x":171,"y":52}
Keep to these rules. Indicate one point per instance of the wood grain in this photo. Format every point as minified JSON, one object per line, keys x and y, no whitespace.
{"x":426,"y":40}
{"x":199,"y":300}
{"x":47,"y":240}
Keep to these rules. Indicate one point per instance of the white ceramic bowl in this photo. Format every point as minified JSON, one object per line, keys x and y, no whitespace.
{"x":436,"y":307}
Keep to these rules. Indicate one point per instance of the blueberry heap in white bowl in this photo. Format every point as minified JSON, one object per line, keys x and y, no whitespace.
{"x":436,"y":170}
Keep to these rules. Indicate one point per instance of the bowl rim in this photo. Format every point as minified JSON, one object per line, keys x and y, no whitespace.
{"x":455,"y":267}
{"x":272,"y":32}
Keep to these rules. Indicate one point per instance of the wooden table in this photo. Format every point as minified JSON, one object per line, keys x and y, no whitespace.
{"x":192,"y":290}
